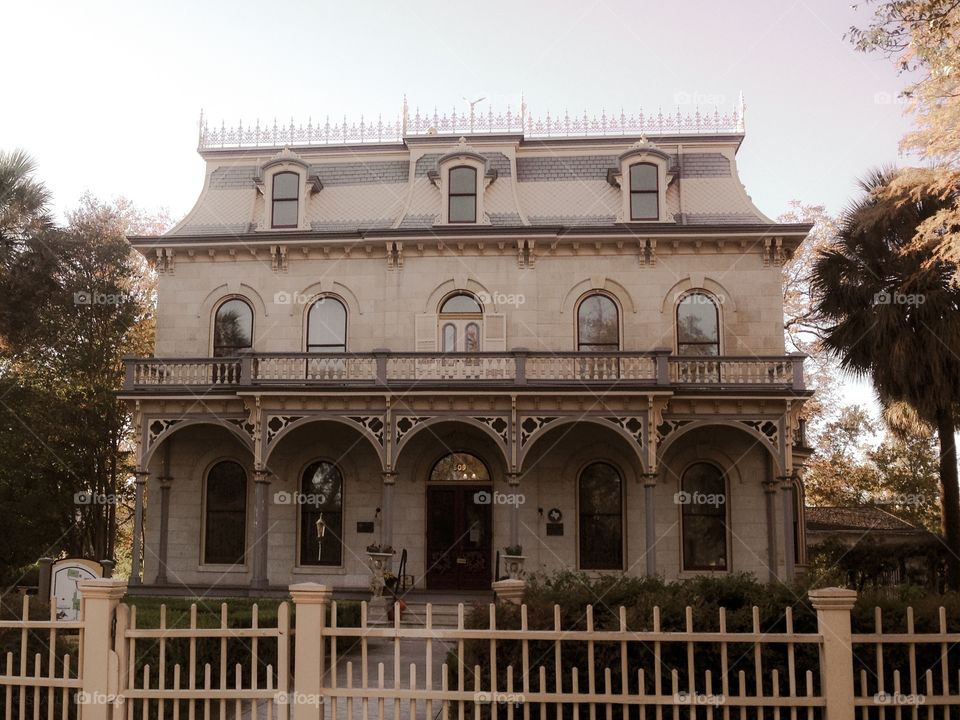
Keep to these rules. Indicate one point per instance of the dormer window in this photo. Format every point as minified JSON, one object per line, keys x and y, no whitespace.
{"x":463,"y":195}
{"x":644,"y":192}
{"x":286,"y":200}
{"x":642,"y":176}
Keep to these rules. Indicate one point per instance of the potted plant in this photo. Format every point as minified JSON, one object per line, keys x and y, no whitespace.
{"x":513,"y":558}
{"x":379,"y":558}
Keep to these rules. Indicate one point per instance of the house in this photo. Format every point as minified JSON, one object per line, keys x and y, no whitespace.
{"x":452,"y":334}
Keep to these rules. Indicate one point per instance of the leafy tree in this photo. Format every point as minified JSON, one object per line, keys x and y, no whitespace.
{"x":891,"y":311}
{"x":838,"y":474}
{"x":908,"y":478}
{"x":74,"y":300}
{"x":923,"y":38}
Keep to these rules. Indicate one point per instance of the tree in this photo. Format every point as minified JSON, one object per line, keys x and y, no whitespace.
{"x":923,"y":38}
{"x":838,"y":474}
{"x":891,"y":311}
{"x":86,"y":300}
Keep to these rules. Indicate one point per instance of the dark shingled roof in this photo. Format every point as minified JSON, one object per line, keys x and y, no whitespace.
{"x":856,"y":519}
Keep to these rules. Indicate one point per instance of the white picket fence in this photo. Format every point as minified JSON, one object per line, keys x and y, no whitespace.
{"x":107,"y":667}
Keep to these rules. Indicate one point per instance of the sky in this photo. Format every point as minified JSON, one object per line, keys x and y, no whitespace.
{"x":108,"y":95}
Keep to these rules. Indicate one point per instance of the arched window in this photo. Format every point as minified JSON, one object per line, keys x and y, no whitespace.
{"x":225,"y":522}
{"x":703,"y":503}
{"x":600,"y":504}
{"x":644,"y":192}
{"x":698,"y":325}
{"x":461,"y":319}
{"x":462,"y":195}
{"x":327,"y":326}
{"x":286,"y":200}
{"x":598,"y":324}
{"x":232,"y":328}
{"x":460,"y":467}
{"x":321,"y":515}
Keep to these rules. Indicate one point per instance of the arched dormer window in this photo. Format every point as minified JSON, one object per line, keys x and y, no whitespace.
{"x":285,"y":200}
{"x":644,"y":192}
{"x":698,"y":325}
{"x":598,"y":324}
{"x":460,"y":320}
{"x":232,"y":328}
{"x":643,"y":175}
{"x":462,"y":195}
{"x":327,"y":326}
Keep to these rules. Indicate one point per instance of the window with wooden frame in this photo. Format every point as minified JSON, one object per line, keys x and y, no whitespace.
{"x":644,"y":192}
{"x":285,"y":196}
{"x":462,"y":195}
{"x":600,"y":506}
{"x":225,"y":520}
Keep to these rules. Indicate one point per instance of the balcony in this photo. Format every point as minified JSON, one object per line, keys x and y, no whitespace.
{"x":514,"y":369}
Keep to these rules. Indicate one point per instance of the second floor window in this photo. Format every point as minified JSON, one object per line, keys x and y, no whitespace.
{"x":232,"y":328}
{"x":598,"y":325}
{"x":698,"y":325}
{"x":460,"y":319}
{"x":462,"y":195}
{"x":327,"y":326}
{"x":286,"y":200}
{"x":644,"y":193}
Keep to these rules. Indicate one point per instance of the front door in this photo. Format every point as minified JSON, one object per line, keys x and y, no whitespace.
{"x":459,"y":529}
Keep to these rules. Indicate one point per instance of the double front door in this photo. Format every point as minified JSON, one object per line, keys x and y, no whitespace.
{"x":459,"y":529}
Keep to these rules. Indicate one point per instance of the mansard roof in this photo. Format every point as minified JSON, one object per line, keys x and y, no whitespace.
{"x":554,"y":173}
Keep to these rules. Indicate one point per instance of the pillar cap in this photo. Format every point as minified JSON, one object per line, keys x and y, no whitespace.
{"x":833,"y":598}
{"x":102,"y":588}
{"x":309,"y":593}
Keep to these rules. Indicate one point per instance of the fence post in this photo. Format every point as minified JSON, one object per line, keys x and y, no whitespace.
{"x":310,"y":604}
{"x":100,"y":598}
{"x":833,"y":606}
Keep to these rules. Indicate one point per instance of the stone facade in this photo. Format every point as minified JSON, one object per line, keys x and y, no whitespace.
{"x":528,"y":396}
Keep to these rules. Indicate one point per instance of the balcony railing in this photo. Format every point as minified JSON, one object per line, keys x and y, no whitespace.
{"x":514,"y":368}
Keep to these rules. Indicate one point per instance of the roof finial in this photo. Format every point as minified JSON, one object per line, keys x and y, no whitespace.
{"x":741,"y":111}
{"x":405,"y":115}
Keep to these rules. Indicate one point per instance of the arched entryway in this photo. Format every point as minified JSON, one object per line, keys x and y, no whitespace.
{"x":455,"y":471}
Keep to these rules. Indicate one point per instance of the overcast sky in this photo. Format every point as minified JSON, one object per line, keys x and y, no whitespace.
{"x":106,"y":95}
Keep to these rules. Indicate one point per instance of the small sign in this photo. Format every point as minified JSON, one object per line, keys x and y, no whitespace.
{"x":64,"y":577}
{"x":554,"y":515}
{"x":554,"y":528}
{"x":364,"y":527}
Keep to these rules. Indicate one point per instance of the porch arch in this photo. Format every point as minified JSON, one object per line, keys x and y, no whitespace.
{"x":498,"y":441}
{"x":170,"y":430}
{"x":637,"y":449}
{"x":694,"y":425}
{"x":375,"y":444}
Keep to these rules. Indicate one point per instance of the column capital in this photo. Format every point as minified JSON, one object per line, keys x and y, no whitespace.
{"x":165,"y":481}
{"x":102,"y":588}
{"x":649,"y":479}
{"x":771,"y":486}
{"x":142,"y":476}
{"x":261,"y":476}
{"x":389,"y":477}
{"x":309,"y":593}
{"x":513,"y":479}
{"x":833,"y":598}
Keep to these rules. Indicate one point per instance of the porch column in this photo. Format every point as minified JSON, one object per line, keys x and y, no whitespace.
{"x":649,"y":522}
{"x":261,"y":518}
{"x":139,"y":487}
{"x":386,"y":508}
{"x":770,"y":498}
{"x":789,"y":548}
{"x":165,"y":482}
{"x":513,"y":479}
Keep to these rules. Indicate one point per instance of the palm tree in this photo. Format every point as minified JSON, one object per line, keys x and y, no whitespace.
{"x":891,"y":312}
{"x":23,"y":200}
